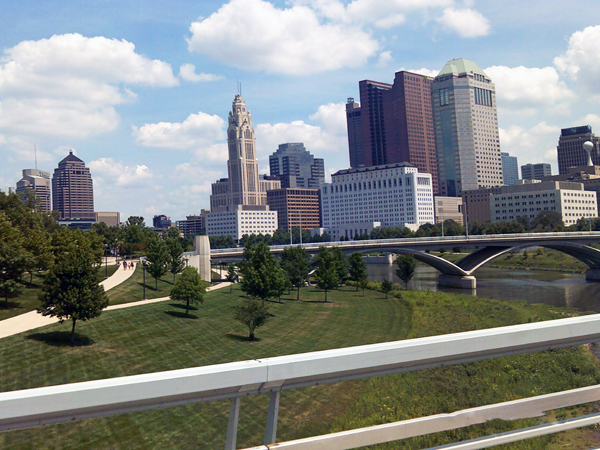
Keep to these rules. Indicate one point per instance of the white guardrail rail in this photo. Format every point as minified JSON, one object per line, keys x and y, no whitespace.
{"x":55,"y":404}
{"x":425,"y":240}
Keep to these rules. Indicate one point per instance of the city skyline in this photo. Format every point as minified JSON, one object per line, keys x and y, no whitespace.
{"x":117,"y":84}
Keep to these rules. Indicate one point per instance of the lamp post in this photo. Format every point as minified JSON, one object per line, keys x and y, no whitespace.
{"x":105,"y":261}
{"x":144,"y":262}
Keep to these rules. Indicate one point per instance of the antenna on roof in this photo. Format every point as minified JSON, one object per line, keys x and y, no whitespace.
{"x":237,"y":84}
{"x":240,"y":88}
{"x":35,"y":153}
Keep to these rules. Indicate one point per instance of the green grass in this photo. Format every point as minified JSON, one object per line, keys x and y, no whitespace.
{"x":26,"y":298}
{"x":156,"y":337}
{"x":132,"y":289}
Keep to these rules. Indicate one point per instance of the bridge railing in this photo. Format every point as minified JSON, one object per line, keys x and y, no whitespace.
{"x":55,"y":404}
{"x":408,"y":241}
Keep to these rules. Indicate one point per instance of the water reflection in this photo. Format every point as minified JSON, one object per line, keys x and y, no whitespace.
{"x":532,"y":286}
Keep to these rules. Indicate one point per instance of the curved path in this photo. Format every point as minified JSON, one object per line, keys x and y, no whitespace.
{"x":32,"y":319}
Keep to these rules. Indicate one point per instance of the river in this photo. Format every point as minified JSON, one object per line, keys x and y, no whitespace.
{"x":533,"y":286}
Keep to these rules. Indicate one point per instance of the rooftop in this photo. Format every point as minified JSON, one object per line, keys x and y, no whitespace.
{"x":461,"y":65}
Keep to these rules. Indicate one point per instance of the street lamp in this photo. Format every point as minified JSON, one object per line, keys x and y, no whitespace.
{"x":144,"y":262}
{"x":105,"y":260}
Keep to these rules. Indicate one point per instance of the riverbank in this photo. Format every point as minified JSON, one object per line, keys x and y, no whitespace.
{"x":157,"y":337}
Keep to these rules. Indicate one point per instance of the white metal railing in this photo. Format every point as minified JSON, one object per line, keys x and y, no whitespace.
{"x":433,"y":239}
{"x":54,"y":404}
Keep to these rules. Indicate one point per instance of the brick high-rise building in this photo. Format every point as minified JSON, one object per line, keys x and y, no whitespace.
{"x":37,"y":182}
{"x":73,"y":190}
{"x":467,"y":138}
{"x":393,"y":124}
{"x":570,"y":150}
{"x":296,"y":208}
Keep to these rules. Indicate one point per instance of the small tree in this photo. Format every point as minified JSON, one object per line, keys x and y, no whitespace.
{"x":158,"y":256}
{"x":341,"y":265}
{"x":251,"y":313}
{"x":326,"y":274}
{"x":231,"y":276}
{"x":296,"y":263}
{"x":71,"y":289}
{"x":13,"y":257}
{"x":261,"y":273}
{"x":386,"y":287}
{"x":357,"y":268}
{"x":189,"y":288}
{"x":406,"y":268}
{"x":176,"y":262}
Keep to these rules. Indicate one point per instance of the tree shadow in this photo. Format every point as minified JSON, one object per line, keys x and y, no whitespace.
{"x":60,"y":339}
{"x":182,"y":306}
{"x":181,"y":315}
{"x":237,"y":337}
{"x":9,"y":305}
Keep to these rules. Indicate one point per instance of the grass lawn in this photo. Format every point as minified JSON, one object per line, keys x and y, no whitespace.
{"x":26,"y":299}
{"x":156,"y":337}
{"x":132,"y":289}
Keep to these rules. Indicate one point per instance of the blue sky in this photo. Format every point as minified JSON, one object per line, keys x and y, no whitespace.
{"x":141,"y":90}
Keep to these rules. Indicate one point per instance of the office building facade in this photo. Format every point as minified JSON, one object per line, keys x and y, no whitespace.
{"x":243,"y":186}
{"x":536,"y":171}
{"x":295,"y":167}
{"x":37,"y":183}
{"x":393,"y":123}
{"x":73,"y":190}
{"x":570,"y":151}
{"x":394,"y":195}
{"x":568,"y":199}
{"x":193,"y":225}
{"x":296,"y":208}
{"x":510,"y":169}
{"x":448,"y":208}
{"x":467,"y":138}
{"x":161,"y":222}
{"x":241,"y":220}
{"x":111,"y":219}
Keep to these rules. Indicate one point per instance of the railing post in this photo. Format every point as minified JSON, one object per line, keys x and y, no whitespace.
{"x":271,"y":431}
{"x":232,"y":425}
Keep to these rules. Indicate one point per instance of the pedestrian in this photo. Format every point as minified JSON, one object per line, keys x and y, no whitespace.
{"x":131,"y":265}
{"x":124,"y":265}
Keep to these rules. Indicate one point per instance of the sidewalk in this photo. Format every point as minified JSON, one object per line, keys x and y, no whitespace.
{"x":33,"y":320}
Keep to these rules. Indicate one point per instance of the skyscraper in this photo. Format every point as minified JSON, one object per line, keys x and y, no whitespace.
{"x":510,"y":169}
{"x":296,"y":167}
{"x":73,"y":190}
{"x":536,"y":171}
{"x":38,"y":182}
{"x":467,"y":140}
{"x":570,"y":148}
{"x":393,"y":124}
{"x":243,"y":186}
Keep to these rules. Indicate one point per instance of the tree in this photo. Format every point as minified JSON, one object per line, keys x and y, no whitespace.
{"x":176,"y":262}
{"x":406,"y":268}
{"x":231,"y":276}
{"x":341,"y":265}
{"x":357,"y":268}
{"x":326,"y":274}
{"x":261,"y":273}
{"x":158,"y":256}
{"x":386,"y":286}
{"x":189,"y":288}
{"x":296,"y":264}
{"x":251,"y":313}
{"x":547,"y":221}
{"x":71,"y":289}
{"x":13,"y":257}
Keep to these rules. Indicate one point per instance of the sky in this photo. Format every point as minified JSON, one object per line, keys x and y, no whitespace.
{"x":140,"y":90}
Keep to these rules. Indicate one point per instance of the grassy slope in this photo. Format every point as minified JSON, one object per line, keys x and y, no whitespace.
{"x":132,"y":290}
{"x":155,"y":337}
{"x":26,"y":299}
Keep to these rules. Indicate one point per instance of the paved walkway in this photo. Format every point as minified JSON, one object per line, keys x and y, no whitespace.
{"x":32,"y":320}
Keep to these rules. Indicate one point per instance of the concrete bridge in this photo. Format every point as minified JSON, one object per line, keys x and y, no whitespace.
{"x":459,"y":274}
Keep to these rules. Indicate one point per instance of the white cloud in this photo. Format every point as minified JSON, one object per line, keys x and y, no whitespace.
{"x":590,"y":119}
{"x":332,"y":117}
{"x":422,"y":71}
{"x":582,"y":59}
{"x":533,"y":145}
{"x":113,"y":173}
{"x":197,"y":130}
{"x":255,"y":35}
{"x":188,"y":73}
{"x":465,"y":22}
{"x":68,"y":85}
{"x":384,"y":58}
{"x":388,"y":13}
{"x":528,"y":87}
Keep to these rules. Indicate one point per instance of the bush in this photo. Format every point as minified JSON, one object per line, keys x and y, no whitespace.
{"x":456,"y":249}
